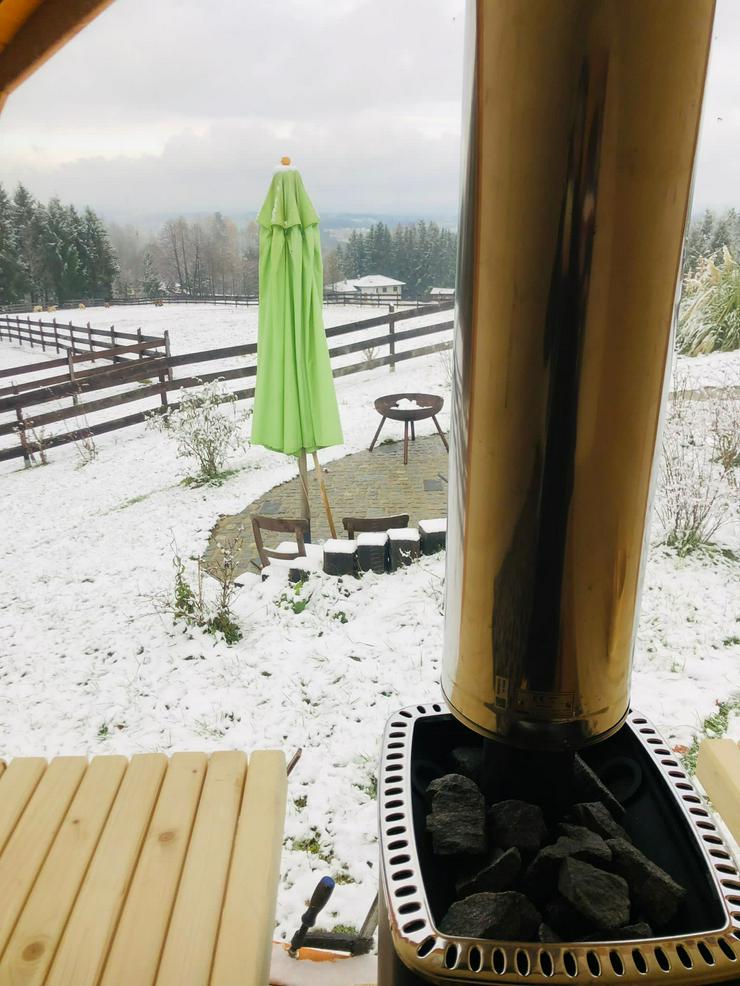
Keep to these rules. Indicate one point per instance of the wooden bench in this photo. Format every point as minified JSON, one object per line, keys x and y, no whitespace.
{"x":718,"y":769}
{"x":151,"y":872}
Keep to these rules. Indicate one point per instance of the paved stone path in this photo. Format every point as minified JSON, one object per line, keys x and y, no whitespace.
{"x":365,"y":484}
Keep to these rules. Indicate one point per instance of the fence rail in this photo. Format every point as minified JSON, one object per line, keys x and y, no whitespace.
{"x":330,"y":298}
{"x":19,"y":402}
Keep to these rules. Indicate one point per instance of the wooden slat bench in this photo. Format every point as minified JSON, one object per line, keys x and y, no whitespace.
{"x":148,"y":872}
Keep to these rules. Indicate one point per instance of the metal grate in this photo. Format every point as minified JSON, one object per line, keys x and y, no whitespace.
{"x":702,"y":958}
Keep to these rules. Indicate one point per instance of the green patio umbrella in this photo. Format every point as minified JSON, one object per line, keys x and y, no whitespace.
{"x":295,"y":404}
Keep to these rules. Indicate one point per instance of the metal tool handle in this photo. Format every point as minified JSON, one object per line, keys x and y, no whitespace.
{"x":319,"y":900}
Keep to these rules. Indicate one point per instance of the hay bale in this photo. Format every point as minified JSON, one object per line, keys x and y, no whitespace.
{"x":403,"y":546}
{"x":372,"y":551}
{"x":340,"y":557}
{"x":433,"y":535}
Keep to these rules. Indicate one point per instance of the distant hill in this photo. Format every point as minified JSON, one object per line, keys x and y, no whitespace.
{"x":335,"y":226}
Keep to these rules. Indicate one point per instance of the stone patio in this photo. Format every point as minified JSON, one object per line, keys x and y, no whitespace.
{"x":365,"y":484}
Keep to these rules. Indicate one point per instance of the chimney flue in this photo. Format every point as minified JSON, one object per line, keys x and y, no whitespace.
{"x":583,"y":120}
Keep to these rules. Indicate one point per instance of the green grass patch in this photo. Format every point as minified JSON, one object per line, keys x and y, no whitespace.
{"x":197,"y":482}
{"x":713,"y":727}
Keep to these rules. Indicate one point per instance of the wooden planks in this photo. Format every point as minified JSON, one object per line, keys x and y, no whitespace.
{"x":39,"y":929}
{"x":718,"y":769}
{"x":37,"y":827}
{"x":188,"y":952}
{"x":155,"y":872}
{"x":245,"y":936}
{"x":135,"y":954}
{"x":16,"y":787}
{"x":92,"y":923}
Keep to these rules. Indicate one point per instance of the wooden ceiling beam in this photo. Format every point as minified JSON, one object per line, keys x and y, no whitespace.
{"x":47,"y":28}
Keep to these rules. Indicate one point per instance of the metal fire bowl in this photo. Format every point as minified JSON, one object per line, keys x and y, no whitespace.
{"x":708,"y":957}
{"x":428,"y":405}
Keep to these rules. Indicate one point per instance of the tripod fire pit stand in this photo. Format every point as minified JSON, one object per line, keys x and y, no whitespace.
{"x":408,"y":408}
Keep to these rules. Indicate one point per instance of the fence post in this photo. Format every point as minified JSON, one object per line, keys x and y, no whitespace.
{"x":140,"y":340}
{"x":41,"y":333}
{"x":89,"y":339}
{"x":72,"y":338}
{"x":166,"y":375}
{"x":30,"y":333}
{"x":113,"y":339}
{"x":392,"y":338}
{"x":56,"y":334}
{"x":71,"y":371}
{"x":21,"y":429}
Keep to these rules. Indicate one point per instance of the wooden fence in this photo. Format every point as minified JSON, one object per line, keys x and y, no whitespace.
{"x":236,"y":300}
{"x":77,"y":339}
{"x":22,"y":414}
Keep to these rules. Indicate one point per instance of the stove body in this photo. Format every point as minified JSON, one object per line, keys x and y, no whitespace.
{"x":582,"y":119}
{"x":580,"y":127}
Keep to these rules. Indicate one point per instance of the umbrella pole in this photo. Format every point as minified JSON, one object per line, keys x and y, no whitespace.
{"x":324,"y":495}
{"x":303,"y":472}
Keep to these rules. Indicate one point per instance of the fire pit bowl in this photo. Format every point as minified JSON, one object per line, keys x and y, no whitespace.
{"x":427,"y":405}
{"x":664,"y":817}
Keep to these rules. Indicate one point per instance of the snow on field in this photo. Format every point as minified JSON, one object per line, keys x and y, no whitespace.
{"x":713,"y":370}
{"x":198,"y":327}
{"x":92,"y":662}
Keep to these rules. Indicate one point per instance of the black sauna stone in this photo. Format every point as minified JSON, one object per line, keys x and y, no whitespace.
{"x":593,"y":815}
{"x":602,"y":898}
{"x":457,"y":819}
{"x":590,"y":846}
{"x":506,"y":916}
{"x":628,"y":933}
{"x":566,"y":920}
{"x":500,"y":873}
{"x":518,"y":824}
{"x":588,"y":787}
{"x":654,"y":893}
{"x":541,"y":878}
{"x":546,"y":934}
{"x":468,"y":760}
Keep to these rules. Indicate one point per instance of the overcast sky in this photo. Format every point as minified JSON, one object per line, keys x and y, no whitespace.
{"x":179,"y":105}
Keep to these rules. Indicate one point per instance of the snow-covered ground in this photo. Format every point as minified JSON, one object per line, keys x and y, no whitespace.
{"x":194,"y":329}
{"x":89,"y":661}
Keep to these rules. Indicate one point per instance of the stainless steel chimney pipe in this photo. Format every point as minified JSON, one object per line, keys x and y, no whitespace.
{"x":582,"y":123}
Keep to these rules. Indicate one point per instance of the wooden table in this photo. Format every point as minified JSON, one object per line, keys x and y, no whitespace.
{"x":153,"y":872}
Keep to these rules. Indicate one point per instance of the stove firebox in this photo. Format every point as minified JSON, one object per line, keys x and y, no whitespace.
{"x":664,"y":816}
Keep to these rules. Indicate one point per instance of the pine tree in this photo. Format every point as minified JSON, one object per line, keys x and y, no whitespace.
{"x":10,"y":274}
{"x":101,"y":265}
{"x":25,"y":225}
{"x":150,"y":285}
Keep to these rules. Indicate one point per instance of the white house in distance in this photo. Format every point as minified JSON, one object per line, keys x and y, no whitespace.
{"x":442,"y":292}
{"x":370,"y":284}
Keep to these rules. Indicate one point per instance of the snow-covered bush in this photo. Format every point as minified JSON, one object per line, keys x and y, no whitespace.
{"x":192,"y":605}
{"x":205,"y":426}
{"x":693,"y":496}
{"x":726,"y":436}
{"x":709,"y":318}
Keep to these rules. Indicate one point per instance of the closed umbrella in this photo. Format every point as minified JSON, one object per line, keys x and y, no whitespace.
{"x":295,"y":404}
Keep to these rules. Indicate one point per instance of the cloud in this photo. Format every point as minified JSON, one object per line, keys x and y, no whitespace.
{"x":177,"y":105}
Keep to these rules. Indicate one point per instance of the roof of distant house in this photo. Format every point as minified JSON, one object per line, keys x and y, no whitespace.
{"x":442,"y":291}
{"x":375,"y":281}
{"x":343,"y":287}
